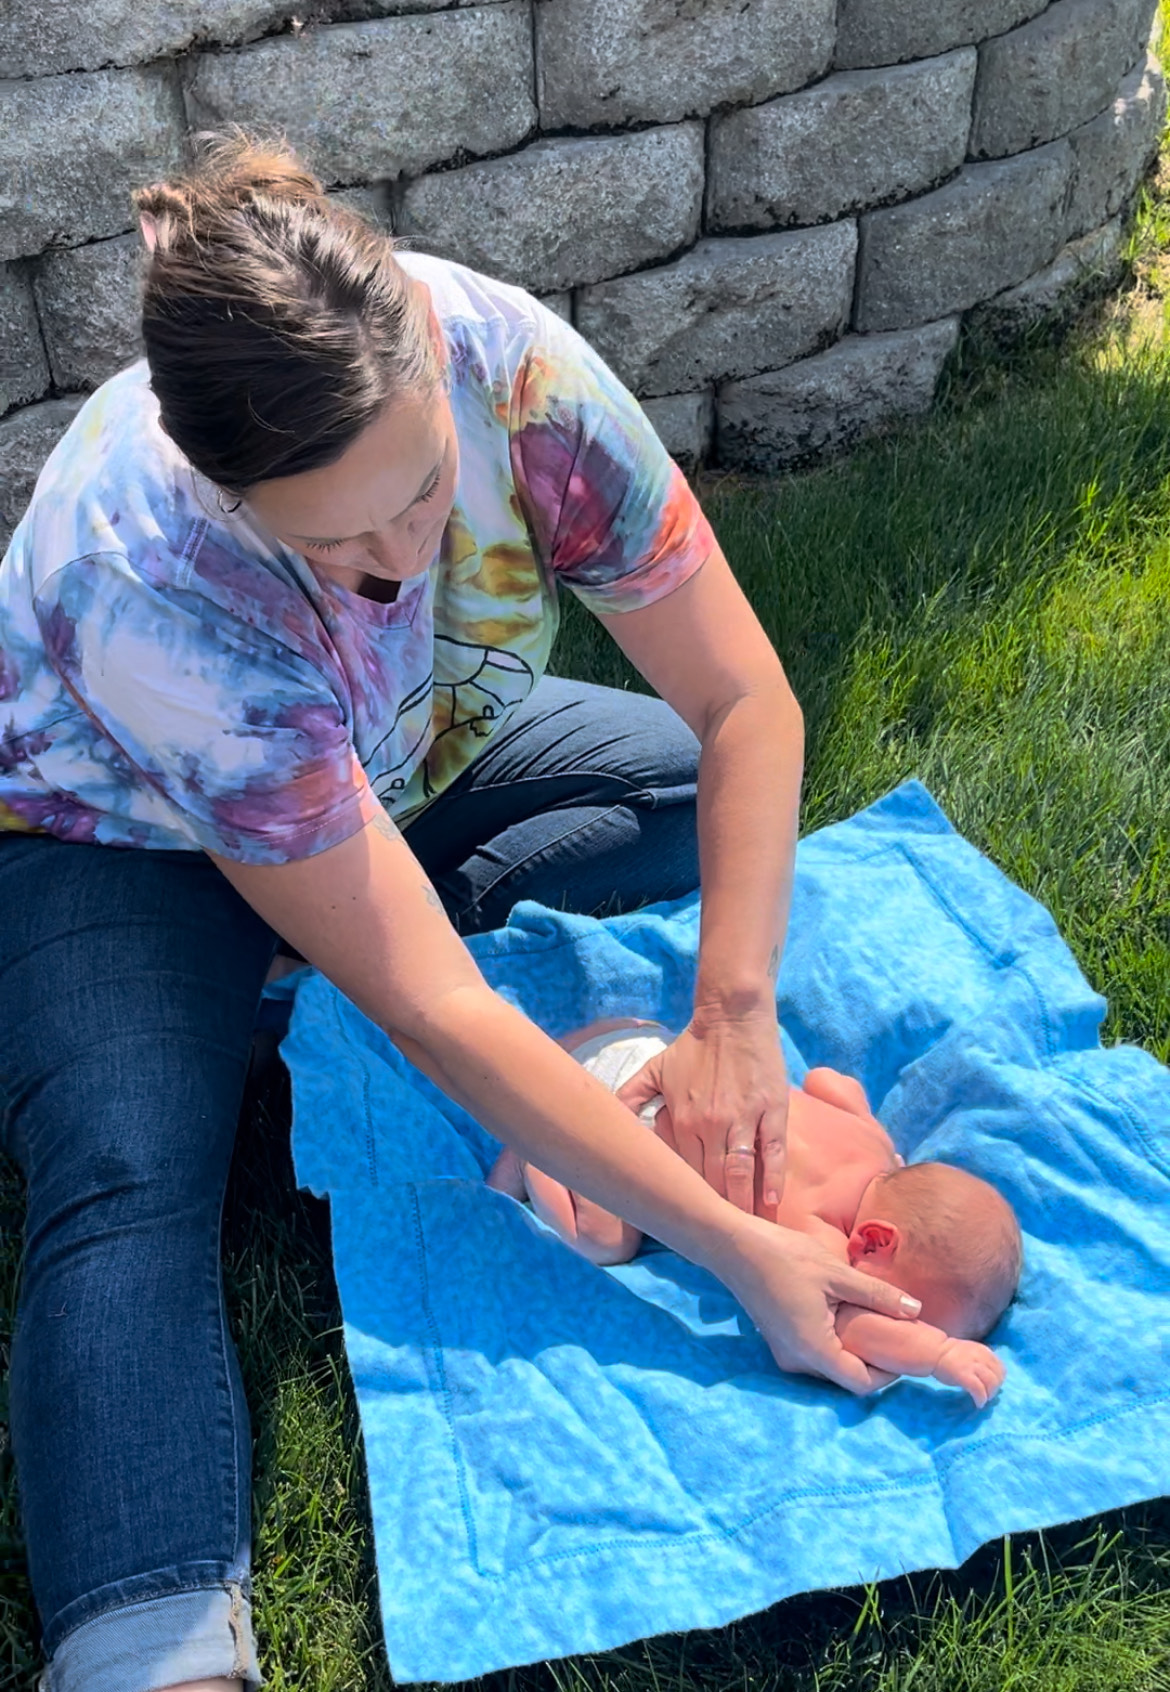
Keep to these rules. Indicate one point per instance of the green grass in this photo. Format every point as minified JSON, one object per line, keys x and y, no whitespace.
{"x":983,"y":601}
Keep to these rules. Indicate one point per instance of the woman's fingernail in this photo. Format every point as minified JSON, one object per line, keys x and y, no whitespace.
{"x":911,"y":1305}
{"x":771,"y":1196}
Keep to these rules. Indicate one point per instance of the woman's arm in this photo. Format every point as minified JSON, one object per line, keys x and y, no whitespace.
{"x":365,"y":914}
{"x":702,"y":648}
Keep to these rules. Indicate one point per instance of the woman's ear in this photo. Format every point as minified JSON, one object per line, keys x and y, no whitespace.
{"x":148,"y":225}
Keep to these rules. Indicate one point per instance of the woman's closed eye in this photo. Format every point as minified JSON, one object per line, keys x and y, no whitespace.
{"x":428,"y":493}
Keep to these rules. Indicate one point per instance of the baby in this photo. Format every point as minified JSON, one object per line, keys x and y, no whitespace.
{"x":941,"y":1234}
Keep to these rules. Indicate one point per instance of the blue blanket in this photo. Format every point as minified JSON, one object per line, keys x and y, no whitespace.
{"x":562,"y":1458}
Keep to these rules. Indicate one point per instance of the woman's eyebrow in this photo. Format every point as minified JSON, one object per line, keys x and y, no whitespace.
{"x":316,"y":540}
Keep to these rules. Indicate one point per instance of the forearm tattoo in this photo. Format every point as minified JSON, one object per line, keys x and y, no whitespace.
{"x":389,"y":830}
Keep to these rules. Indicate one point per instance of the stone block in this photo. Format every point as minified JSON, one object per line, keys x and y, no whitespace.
{"x":371,"y":202}
{"x":24,"y":368}
{"x":384,"y":98}
{"x":728,"y":308}
{"x":684,"y":423}
{"x":60,"y":35}
{"x":26,"y":440}
{"x":560,"y":303}
{"x":91,"y":308}
{"x":1081,"y":269}
{"x":1112,"y":152}
{"x":568,"y":211}
{"x":886,"y":32}
{"x":73,"y":147}
{"x":628,"y":61}
{"x":1043,"y":79}
{"x":994,"y":225}
{"x":857,"y":139}
{"x":788,"y":417}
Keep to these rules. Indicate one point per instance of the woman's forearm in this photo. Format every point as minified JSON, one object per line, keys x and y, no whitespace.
{"x":529,"y":1092}
{"x":750,"y":773}
{"x":365,"y":914}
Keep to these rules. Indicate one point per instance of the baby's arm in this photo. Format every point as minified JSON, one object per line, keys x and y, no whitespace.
{"x":916,"y":1348}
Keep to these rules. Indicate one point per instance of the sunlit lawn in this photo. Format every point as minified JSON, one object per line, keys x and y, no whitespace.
{"x":983,"y":601}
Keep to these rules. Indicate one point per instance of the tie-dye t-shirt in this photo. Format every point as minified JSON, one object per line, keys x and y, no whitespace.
{"x":171,"y":676}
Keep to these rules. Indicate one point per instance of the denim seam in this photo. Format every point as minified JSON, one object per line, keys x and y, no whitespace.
{"x":556,"y":775}
{"x":221,"y":1583}
{"x":230,"y":1382}
{"x":522,"y":863}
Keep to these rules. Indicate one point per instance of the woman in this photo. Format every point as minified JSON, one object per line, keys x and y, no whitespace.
{"x":293,"y":578}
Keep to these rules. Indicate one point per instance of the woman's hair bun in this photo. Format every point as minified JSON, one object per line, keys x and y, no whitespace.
{"x":230,"y":169}
{"x":277,"y":323}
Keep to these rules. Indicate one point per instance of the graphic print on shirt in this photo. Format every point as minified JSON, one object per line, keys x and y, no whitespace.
{"x":475,"y":688}
{"x":472,"y":689}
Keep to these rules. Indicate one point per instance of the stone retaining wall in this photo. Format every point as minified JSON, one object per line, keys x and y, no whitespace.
{"x":769,"y":216}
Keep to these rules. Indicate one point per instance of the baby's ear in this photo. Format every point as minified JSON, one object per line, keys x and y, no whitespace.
{"x":873,"y":1242}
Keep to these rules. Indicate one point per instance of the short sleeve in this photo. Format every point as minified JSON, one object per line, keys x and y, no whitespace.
{"x":244,"y":738}
{"x":611,"y":513}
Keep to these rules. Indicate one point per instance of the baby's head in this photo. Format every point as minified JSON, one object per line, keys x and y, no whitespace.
{"x":945,"y":1237}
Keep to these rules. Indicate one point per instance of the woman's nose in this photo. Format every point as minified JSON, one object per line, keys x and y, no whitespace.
{"x":390,"y":552}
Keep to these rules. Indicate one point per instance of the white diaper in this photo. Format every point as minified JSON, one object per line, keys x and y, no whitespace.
{"x":616,"y":1057}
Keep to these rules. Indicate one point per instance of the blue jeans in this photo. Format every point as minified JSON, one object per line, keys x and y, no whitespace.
{"x":128,"y":988}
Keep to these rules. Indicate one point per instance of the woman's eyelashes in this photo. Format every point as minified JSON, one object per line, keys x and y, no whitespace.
{"x":428,"y":493}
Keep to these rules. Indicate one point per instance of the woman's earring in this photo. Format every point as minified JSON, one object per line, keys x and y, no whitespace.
{"x":227,"y":510}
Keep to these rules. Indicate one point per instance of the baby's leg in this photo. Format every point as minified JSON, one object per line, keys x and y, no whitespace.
{"x":590,"y":1230}
{"x":596,"y":1233}
{"x":507,"y":1175}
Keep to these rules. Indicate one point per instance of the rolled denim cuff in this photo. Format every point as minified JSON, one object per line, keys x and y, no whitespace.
{"x":202,"y":1634}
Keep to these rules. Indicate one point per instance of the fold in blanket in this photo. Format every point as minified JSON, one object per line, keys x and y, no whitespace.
{"x":563,"y":1458}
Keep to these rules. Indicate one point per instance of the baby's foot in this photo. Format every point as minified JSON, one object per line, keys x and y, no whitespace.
{"x":507,"y":1175}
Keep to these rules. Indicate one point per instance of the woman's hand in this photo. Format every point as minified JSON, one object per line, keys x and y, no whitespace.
{"x":725,"y":1093}
{"x":792,"y":1286}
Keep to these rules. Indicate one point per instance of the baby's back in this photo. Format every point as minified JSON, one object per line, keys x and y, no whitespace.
{"x":835,"y":1145}
{"x":833,"y":1155}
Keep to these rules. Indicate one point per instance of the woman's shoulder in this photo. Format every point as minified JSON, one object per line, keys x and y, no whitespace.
{"x":462,"y":295}
{"x":113,"y":484}
{"x":492,"y":329}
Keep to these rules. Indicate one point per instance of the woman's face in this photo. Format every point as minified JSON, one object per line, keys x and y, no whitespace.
{"x":381,"y":509}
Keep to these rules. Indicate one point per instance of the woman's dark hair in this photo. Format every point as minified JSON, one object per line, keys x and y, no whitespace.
{"x":277,"y":323}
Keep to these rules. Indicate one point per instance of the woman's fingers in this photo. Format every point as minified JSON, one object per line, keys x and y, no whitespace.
{"x":850,"y":1372}
{"x":739,"y":1166}
{"x":641,"y":1089}
{"x":773,"y":1146}
{"x":852,"y":1286}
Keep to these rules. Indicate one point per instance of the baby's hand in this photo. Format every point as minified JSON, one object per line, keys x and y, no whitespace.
{"x":974,"y":1367}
